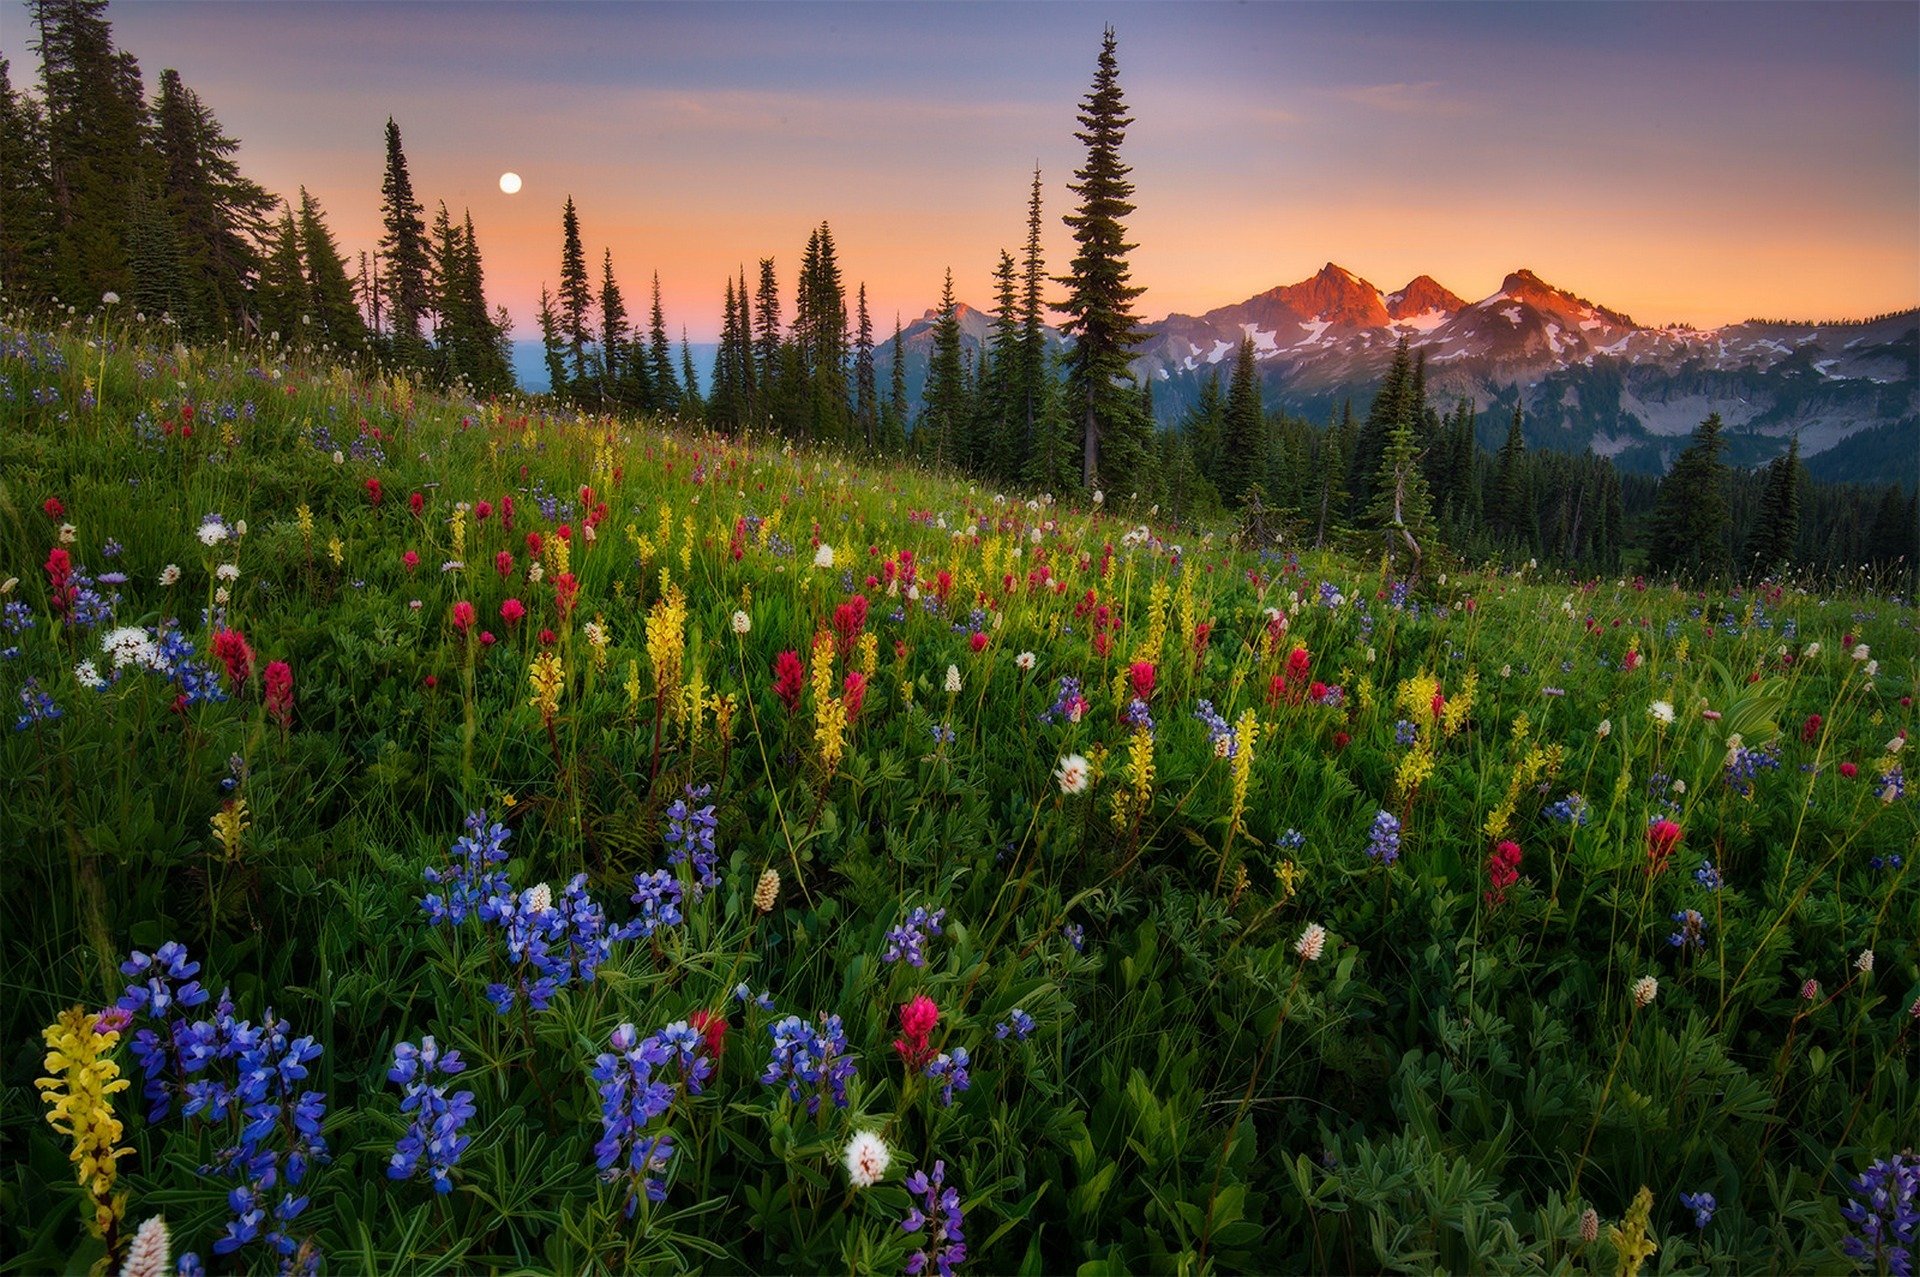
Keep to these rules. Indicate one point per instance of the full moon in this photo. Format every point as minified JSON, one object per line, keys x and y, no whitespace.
{"x":510,"y":182}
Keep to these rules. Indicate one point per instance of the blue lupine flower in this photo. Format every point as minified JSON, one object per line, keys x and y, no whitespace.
{"x":1885,"y":1208}
{"x":1708,"y":876}
{"x":1137,"y":715}
{"x":659,"y":895}
{"x":1384,"y":839}
{"x":744,"y":995}
{"x":1692,"y":933}
{"x":690,"y":833}
{"x":909,"y":939}
{"x":190,"y":1265}
{"x":945,"y":1245}
{"x":951,"y":1069}
{"x":1744,"y":764}
{"x":16,"y":617}
{"x":1292,"y":840}
{"x":433,"y":1138}
{"x":1218,"y":729}
{"x":1075,"y":935}
{"x":1069,"y":704}
{"x":806,"y":1058}
{"x":39,"y":706}
{"x":162,"y":982}
{"x":1404,"y":732}
{"x":473,"y":876}
{"x":1018,"y":1023}
{"x":941,"y":732}
{"x":631,"y":1097}
{"x":1702,"y":1205}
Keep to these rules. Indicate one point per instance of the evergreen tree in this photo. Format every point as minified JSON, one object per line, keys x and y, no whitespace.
{"x":1393,"y":403}
{"x":551,"y":346}
{"x":766,"y":340}
{"x":1099,"y":303}
{"x":283,"y":286}
{"x":1770,"y":544}
{"x":1206,"y":431}
{"x":613,"y":333}
{"x":724,"y":395}
{"x":1512,"y":520}
{"x":687,"y":398}
{"x":1244,"y":460}
{"x":666,"y":390}
{"x":492,"y":368}
{"x":443,"y":277}
{"x":821,"y":324}
{"x":866,"y":393}
{"x":1688,"y":536}
{"x":1331,"y":511}
{"x":95,"y":115}
{"x":153,"y":252}
{"x":1400,"y":505}
{"x":893,"y":418}
{"x":1029,"y":389}
{"x":576,"y":302}
{"x":336,"y":318}
{"x":939,"y":433}
{"x":26,"y":212}
{"x":404,"y":248}
{"x":999,"y":422}
{"x":218,"y":215}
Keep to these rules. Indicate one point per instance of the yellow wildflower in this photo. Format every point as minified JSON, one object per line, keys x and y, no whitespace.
{"x":1245,"y":733}
{"x":79,"y":1089}
{"x":229,"y":823}
{"x":869,"y":653}
{"x":305,"y":518}
{"x":666,"y":633}
{"x":830,"y":732}
{"x":1460,"y":707}
{"x":1632,"y":1243}
{"x":548,"y":679}
{"x":336,"y":551}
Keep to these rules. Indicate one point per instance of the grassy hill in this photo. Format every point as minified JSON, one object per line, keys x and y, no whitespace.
{"x":729,"y":807}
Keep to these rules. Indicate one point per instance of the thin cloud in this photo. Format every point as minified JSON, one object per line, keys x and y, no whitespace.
{"x":1403,"y":97}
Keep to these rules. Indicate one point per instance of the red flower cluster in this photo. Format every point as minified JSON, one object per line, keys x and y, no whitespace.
{"x":917,"y":1019}
{"x":849,"y":619}
{"x":1663,"y":837}
{"x":231,"y":648}
{"x":503,"y":564}
{"x":463,"y":616}
{"x":279,"y":687}
{"x":1810,"y":730}
{"x":416,"y":503}
{"x":53,"y":508}
{"x":789,"y":679}
{"x":1503,"y":870}
{"x":373,"y":491}
{"x":60,"y":588}
{"x":713,"y":1028}
{"x":855,"y":692}
{"x":1141,"y":675}
{"x":512,"y":611}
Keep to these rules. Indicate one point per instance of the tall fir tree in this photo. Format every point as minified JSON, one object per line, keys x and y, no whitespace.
{"x":26,"y":211}
{"x":1031,"y":387}
{"x":1400,"y":505}
{"x":687,"y":393}
{"x":613,"y":335}
{"x":552,"y":349}
{"x":1391,"y":404}
{"x":766,"y":341}
{"x":95,"y":117}
{"x":153,"y":255}
{"x":893,"y":417}
{"x":283,"y":286}
{"x":1770,"y":545}
{"x":1206,"y":429}
{"x":218,"y":214}
{"x":1512,"y":519}
{"x":939,"y":435}
{"x":723,"y":391}
{"x":1244,"y":450}
{"x":1330,"y":515}
{"x":999,"y":408}
{"x":666,"y":388}
{"x":575,"y":299}
{"x":1099,"y":303}
{"x":492,"y":368}
{"x":404,"y":249}
{"x":866,"y":392}
{"x":336,"y":317}
{"x":1691,"y":522}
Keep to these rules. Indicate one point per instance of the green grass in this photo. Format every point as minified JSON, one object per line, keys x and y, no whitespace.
{"x":1448,"y":1086}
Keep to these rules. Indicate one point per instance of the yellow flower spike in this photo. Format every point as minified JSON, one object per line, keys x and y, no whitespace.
{"x":1246,"y":733}
{"x":548,"y":679}
{"x":1632,"y":1242}
{"x":79,"y":1089}
{"x":869,"y":653}
{"x":336,"y":551}
{"x":304,"y":517}
{"x":633,"y":687}
{"x":830,"y":732}
{"x":229,"y":824}
{"x":458,"y":529}
{"x":1460,"y":707}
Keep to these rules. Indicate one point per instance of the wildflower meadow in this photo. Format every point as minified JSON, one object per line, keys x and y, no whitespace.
{"x":446,"y":836}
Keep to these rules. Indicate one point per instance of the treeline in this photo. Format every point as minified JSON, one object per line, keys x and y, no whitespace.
{"x":110,"y":198}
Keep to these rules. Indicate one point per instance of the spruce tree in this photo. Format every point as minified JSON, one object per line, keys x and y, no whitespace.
{"x":766,"y":340}
{"x":1099,"y":303}
{"x":283,"y":286}
{"x":551,"y":347}
{"x":1331,"y":510}
{"x":1688,"y":535}
{"x":26,"y":212}
{"x":404,"y":248}
{"x":690,"y":406}
{"x":1030,"y":388}
{"x":1770,"y":545}
{"x":1400,"y":506}
{"x":866,"y":393}
{"x":1206,"y":430}
{"x":217,"y":213}
{"x":666,"y":389}
{"x":893,"y":418}
{"x":492,"y":371}
{"x":723,"y":392}
{"x":1244,"y":454}
{"x":95,"y":114}
{"x":940,"y":432}
{"x":153,"y":253}
{"x":1393,"y":403}
{"x":1512,"y":519}
{"x":575,"y":301}
{"x":335,"y":315}
{"x":1000,"y":413}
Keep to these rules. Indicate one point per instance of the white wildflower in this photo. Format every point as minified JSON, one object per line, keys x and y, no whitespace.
{"x":539,"y":898}
{"x":228,"y":572}
{"x":1662,"y":712}
{"x":212,"y":532}
{"x":1073,"y":774}
{"x":131,"y":645}
{"x":1860,"y":653}
{"x":823,"y":557}
{"x":1605,"y":729}
{"x":68,"y":534}
{"x":150,"y":1255}
{"x":1025,"y":660}
{"x":1864,"y":963}
{"x":867,"y":1159}
{"x":742,"y":623}
{"x":1644,"y":990}
{"x":953,"y":680}
{"x":88,"y":676}
{"x":170,"y":574}
{"x":1312,"y":942}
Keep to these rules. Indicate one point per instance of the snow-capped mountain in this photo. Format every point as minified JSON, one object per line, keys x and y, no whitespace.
{"x":1589,"y":376}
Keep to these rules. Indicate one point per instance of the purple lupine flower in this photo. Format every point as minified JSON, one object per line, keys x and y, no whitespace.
{"x":433,"y":1138}
{"x":631,"y":1097}
{"x":807,"y":1059}
{"x":951,"y":1069}
{"x":1702,"y":1205}
{"x":1384,"y":839}
{"x":1692,"y":933}
{"x":659,"y":895}
{"x":690,"y":834}
{"x":938,"y":1215}
{"x":1885,"y":1208}
{"x":1018,"y":1024}
{"x":472,"y":876}
{"x":163,"y":982}
{"x":909,"y":939}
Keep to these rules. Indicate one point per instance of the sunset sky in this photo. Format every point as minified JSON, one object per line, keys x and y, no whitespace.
{"x":1700,"y":163}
